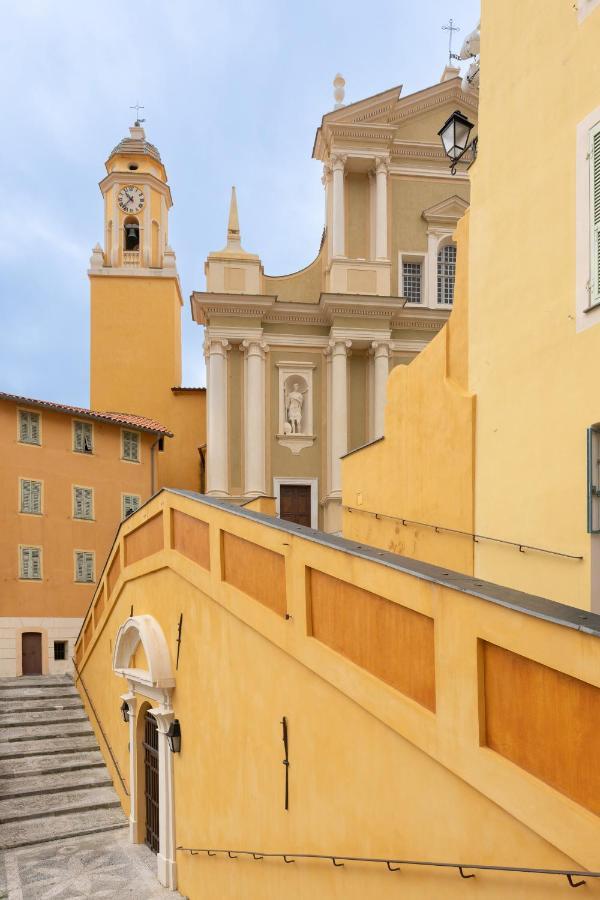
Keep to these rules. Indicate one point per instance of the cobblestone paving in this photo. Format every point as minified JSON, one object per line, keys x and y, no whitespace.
{"x":102,"y":865}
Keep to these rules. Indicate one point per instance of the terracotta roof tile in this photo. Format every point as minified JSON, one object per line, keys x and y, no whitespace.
{"x":138,"y":423}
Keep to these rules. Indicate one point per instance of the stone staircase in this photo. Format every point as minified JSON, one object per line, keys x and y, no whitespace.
{"x":53,"y":781}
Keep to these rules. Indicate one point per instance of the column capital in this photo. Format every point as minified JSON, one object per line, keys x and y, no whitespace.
{"x":338,"y":346}
{"x":164,"y":716}
{"x":338,"y":161}
{"x":382,"y":165}
{"x":254,"y":347}
{"x":216,"y":346}
{"x":131,"y":701}
{"x":380,"y":349}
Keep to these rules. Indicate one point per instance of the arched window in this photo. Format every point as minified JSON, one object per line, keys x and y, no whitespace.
{"x":446,"y":271}
{"x":132,"y":234}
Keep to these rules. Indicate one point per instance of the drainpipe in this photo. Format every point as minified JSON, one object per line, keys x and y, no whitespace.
{"x":159,"y":442}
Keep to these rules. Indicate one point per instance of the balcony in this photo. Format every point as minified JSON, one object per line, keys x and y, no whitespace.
{"x":131,"y":257}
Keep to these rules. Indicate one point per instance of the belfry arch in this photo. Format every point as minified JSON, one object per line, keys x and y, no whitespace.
{"x":155,"y":684}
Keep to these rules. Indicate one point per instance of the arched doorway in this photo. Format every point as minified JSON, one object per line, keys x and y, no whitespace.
{"x":31,"y":650}
{"x":152,"y":801}
{"x":151,"y":782}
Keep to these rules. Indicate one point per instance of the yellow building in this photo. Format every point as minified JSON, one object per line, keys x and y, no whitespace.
{"x":135,"y":361}
{"x":297,"y":364}
{"x":506,"y":448}
{"x":68,"y":477}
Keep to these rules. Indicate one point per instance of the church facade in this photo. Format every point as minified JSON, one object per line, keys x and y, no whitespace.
{"x":297,"y":365}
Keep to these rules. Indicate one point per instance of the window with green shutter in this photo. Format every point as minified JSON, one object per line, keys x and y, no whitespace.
{"x":131,"y":446}
{"x":29,"y":427}
{"x":83,"y":503}
{"x":83,"y":436}
{"x":31,"y":563}
{"x":31,"y":496}
{"x":593,"y":479}
{"x":595,"y":214}
{"x":131,"y":503}
{"x":84,"y":566}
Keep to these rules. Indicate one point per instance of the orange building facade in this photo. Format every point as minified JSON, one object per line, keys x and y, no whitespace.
{"x":69,"y":476}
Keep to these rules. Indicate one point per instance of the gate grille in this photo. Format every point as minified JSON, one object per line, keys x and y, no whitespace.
{"x":151,"y":781}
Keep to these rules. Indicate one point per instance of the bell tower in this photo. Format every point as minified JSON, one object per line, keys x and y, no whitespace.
{"x":134,"y":287}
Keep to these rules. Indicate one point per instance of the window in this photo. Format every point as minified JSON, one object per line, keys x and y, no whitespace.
{"x":594,"y":156}
{"x":31,"y":563}
{"x":446,"y":270}
{"x":131,"y":446}
{"x":29,"y":427}
{"x":593,"y":479}
{"x":131,"y":502}
{"x":31,"y":496}
{"x":411,"y":281}
{"x":83,"y":503}
{"x":60,"y":649}
{"x":83,"y":437}
{"x":84,"y":566}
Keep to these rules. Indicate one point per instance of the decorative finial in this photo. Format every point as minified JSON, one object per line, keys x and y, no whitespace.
{"x":233,"y":225}
{"x":339,"y":90}
{"x":451,"y":27}
{"x":137,"y":108}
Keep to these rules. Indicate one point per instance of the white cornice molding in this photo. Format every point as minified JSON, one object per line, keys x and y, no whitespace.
{"x":143,"y":178}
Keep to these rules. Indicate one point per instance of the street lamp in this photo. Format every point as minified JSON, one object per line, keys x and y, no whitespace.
{"x":125,"y":711}
{"x":455,"y":138}
{"x":174,"y":736}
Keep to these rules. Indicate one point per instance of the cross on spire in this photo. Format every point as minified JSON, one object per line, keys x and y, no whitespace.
{"x":137,"y":108}
{"x":450,"y":27}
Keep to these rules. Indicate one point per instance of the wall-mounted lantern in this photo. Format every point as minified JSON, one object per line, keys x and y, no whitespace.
{"x":174,"y":736}
{"x":455,"y":134}
{"x":125,"y":711}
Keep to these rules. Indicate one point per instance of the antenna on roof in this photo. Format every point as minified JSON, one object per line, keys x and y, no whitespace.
{"x":451,"y":27}
{"x":339,"y":91}
{"x":137,"y":108}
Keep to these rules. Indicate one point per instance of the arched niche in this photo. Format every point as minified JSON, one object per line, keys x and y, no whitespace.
{"x":146,"y":631}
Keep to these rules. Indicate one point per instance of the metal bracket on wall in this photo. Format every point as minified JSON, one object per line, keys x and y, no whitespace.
{"x":178,"y":640}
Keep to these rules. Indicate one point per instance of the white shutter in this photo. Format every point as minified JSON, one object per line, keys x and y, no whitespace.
{"x":31,"y":562}
{"x":35,"y":562}
{"x":78,"y":503}
{"x":25,"y":495}
{"x":131,"y":445}
{"x":595,"y":214}
{"x":34,"y":428}
{"x":89,"y":566}
{"x":79,"y":566}
{"x":88,"y":504}
{"x":35,"y":488}
{"x":131,"y":503}
{"x":23,"y":426}
{"x":29,"y":427}
{"x":78,"y":439}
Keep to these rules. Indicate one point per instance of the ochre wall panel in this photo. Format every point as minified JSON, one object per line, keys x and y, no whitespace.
{"x":544,"y":721}
{"x":190,"y":538}
{"x":392,"y":642}
{"x":113,"y":572}
{"x":256,"y":571}
{"x":145,"y":540}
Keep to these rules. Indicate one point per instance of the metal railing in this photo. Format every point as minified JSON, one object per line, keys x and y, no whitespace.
{"x":394,"y":865}
{"x":474,"y":537}
{"x":97,"y":717}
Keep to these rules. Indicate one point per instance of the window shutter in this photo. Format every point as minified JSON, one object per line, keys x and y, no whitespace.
{"x":34,"y":424}
{"x":89,"y":566}
{"x":131,"y":503}
{"x":88,"y":504}
{"x":78,"y":503}
{"x":79,"y":566}
{"x":595,"y":214}
{"x":23,"y":426}
{"x":35,"y":490}
{"x":35,"y":562}
{"x":25,"y":495}
{"x":78,"y":437}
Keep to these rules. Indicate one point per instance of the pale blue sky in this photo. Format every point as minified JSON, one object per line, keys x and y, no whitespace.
{"x":233,"y":93}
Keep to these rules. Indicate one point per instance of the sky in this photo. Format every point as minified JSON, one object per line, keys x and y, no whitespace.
{"x":233,"y":93}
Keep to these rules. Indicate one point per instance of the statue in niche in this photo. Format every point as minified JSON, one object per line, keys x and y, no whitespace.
{"x":294,"y":401}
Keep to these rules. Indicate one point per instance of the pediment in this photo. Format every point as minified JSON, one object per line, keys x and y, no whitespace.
{"x":449,"y":210}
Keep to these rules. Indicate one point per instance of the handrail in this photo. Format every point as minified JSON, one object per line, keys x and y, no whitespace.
{"x":394,"y":864}
{"x":112,"y":755}
{"x":475,"y":537}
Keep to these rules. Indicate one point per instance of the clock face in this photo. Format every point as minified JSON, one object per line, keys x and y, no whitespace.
{"x":131,"y":199}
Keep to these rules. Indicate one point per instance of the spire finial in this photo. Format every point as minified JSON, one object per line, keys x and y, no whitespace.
{"x":233,"y":225}
{"x":339,"y":90}
{"x":137,"y":108}
{"x":450,"y":28}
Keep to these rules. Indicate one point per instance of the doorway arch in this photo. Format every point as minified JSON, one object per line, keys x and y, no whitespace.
{"x":151,"y":690}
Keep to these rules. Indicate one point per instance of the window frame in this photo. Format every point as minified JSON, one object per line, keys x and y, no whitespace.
{"x":128,"y":459}
{"x":26,"y":512}
{"x":442,"y":246}
{"x":22,"y":576}
{"x":65,"y":646}
{"x":90,"y":425}
{"x":86,"y":553}
{"x":83,"y":487}
{"x":30,"y":412}
{"x":123,"y":496}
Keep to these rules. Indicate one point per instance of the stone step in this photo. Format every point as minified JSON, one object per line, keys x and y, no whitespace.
{"x":8,"y":684}
{"x":14,"y":766}
{"x":44,"y":732}
{"x":30,"y":705}
{"x":33,"y":693}
{"x":53,"y":828}
{"x":42,"y":717}
{"x":66,"y":745}
{"x":66,"y":802}
{"x":53,"y":782}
